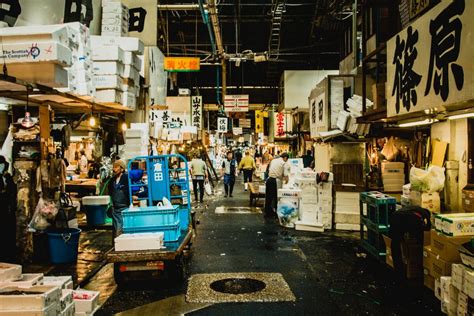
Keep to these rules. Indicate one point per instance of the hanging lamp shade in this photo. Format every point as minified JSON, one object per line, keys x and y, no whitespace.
{"x":27,"y":121}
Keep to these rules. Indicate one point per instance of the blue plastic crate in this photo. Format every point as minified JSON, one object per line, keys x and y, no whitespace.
{"x":172,"y":232}
{"x":377,"y":207}
{"x":150,"y":216}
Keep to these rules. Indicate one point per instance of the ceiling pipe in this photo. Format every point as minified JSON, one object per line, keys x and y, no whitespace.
{"x":205,"y":19}
{"x":215,"y":25}
{"x":179,"y":7}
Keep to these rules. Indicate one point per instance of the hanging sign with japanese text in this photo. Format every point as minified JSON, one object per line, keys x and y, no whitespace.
{"x":259,"y":121}
{"x":182,"y":64}
{"x":283,"y":123}
{"x":196,"y":111}
{"x":429,"y":64}
{"x":222,"y":124}
{"x":160,"y":116}
{"x":318,"y":121}
{"x":143,"y":20}
{"x":236,"y":103}
{"x":245,"y":123}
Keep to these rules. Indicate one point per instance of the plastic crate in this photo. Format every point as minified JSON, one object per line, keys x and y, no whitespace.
{"x":171,"y":232}
{"x":374,"y":226}
{"x":150,"y":216}
{"x":377,"y":207}
{"x":372,"y":241}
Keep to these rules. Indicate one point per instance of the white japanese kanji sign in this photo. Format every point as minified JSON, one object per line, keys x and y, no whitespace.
{"x":196,"y":112}
{"x":160,"y":116}
{"x":222,"y":124}
{"x":429,"y":63}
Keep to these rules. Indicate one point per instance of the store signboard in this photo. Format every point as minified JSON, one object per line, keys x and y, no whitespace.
{"x":283,"y":123}
{"x":196,"y":111}
{"x":182,"y":64}
{"x":222,"y":124}
{"x":245,"y":123}
{"x":236,"y":103}
{"x":143,"y":20}
{"x":158,"y":181}
{"x":237,"y":131}
{"x":429,"y":64}
{"x":160,"y":116}
{"x":259,"y":122}
{"x":318,"y":115}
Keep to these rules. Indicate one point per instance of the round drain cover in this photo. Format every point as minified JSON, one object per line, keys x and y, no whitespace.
{"x":237,"y":286}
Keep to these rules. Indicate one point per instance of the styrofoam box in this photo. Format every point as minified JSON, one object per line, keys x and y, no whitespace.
{"x":70,"y":310}
{"x":289,"y":193}
{"x":309,"y":226}
{"x":84,"y":89}
{"x":107,"y":82}
{"x":108,"y":68}
{"x":26,"y":280}
{"x":135,"y":148}
{"x":136,"y":141}
{"x":36,"y":34}
{"x":64,"y":282}
{"x":66,"y":299}
{"x":36,"y":52}
{"x":46,"y":73}
{"x":351,"y":227}
{"x":134,"y":133}
{"x":130,"y":72}
{"x":96,"y":200}
{"x":458,"y":225}
{"x":129,"y":100}
{"x":347,"y":218}
{"x":124,"y":15}
{"x":109,"y":95}
{"x":107,"y":53}
{"x":9,"y":272}
{"x":48,"y":295}
{"x":80,"y":75}
{"x":51,"y":310}
{"x":109,"y":7}
{"x":111,"y":30}
{"x":86,"y":301}
{"x":142,"y":241}
{"x":130,"y":58}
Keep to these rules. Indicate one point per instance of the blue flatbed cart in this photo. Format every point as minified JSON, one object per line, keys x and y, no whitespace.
{"x":163,"y":176}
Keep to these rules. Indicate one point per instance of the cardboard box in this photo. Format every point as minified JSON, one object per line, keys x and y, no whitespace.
{"x":29,"y":52}
{"x":427,"y":260}
{"x":429,"y":201}
{"x":9,"y":272}
{"x":36,"y":297}
{"x":461,"y":224}
{"x":440,"y":267}
{"x":446,"y":247}
{"x":429,"y":282}
{"x":393,"y":167}
{"x":468,"y":200}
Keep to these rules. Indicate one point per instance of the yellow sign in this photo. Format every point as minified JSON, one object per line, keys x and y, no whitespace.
{"x":259,"y":121}
{"x":182,"y":64}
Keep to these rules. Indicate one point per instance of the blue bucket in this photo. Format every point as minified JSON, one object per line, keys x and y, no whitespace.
{"x":96,"y":214}
{"x":63,"y":245}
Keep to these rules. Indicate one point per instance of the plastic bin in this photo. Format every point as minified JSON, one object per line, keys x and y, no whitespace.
{"x":150,"y":216}
{"x":95,"y":208}
{"x":63,"y":245}
{"x":172,"y":232}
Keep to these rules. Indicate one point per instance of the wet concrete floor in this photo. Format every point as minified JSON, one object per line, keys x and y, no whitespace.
{"x":325,"y":271}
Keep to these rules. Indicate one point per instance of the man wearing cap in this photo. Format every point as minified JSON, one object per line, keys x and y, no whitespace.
{"x":119,"y":193}
{"x":278,"y":169}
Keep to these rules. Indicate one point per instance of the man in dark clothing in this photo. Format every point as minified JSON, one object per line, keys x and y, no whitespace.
{"x":307,"y":159}
{"x":7,"y":212}
{"x":238,"y":155}
{"x":229,"y":167}
{"x":120,"y":195}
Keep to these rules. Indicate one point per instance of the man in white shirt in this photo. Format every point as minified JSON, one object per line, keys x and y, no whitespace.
{"x":278,"y":169}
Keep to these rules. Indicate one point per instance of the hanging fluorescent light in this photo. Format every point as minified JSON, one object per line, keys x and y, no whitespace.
{"x":418,"y":123}
{"x":461,"y":116}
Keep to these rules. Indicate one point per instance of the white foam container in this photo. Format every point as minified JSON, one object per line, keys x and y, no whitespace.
{"x":64,"y":282}
{"x":96,"y":200}
{"x":109,"y":95}
{"x":26,"y":280}
{"x":86,"y":305}
{"x":9,"y":272}
{"x":107,"y":53}
{"x":141,"y":241}
{"x":66,"y":299}
{"x":32,"y":52}
{"x":48,"y":295}
{"x":52,"y":310}
{"x":70,"y":310}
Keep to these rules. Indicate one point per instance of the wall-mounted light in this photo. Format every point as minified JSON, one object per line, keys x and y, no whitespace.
{"x":418,"y":123}
{"x":92,"y":121}
{"x":460,"y":116}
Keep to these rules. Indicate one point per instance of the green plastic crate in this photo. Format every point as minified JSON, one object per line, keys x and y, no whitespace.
{"x":377,"y":207}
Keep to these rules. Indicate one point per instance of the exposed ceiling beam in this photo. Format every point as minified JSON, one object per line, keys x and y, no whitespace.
{"x":179,"y":7}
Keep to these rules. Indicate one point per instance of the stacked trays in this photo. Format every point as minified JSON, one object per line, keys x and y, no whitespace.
{"x":375,"y":210}
{"x":153,"y":219}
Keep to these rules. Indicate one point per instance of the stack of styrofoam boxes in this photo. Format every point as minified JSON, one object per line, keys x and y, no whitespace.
{"x":115,"y":18}
{"x":128,"y":68}
{"x":347,"y":211}
{"x":308,"y":211}
{"x":107,"y":61}
{"x":87,"y":302}
{"x":461,"y":291}
{"x":393,"y":176}
{"x":325,"y":202}
{"x":80,"y":74}
{"x":136,"y":143}
{"x":37,"y":54}
{"x":66,"y":303}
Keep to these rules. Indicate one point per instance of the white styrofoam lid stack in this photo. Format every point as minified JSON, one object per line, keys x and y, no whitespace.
{"x":96,"y":200}
{"x":130,"y":44}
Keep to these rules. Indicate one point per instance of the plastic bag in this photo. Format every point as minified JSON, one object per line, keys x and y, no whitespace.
{"x":45,"y":213}
{"x":207,"y":188}
{"x":390,"y":150}
{"x":431,"y":180}
{"x":287,"y":211}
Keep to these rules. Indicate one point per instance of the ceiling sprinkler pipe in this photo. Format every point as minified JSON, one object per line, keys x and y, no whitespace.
{"x":205,"y":19}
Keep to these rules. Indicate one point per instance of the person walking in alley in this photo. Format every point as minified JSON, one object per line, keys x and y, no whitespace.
{"x":120,"y":195}
{"x":247,"y":165}
{"x":198,"y":169}
{"x":229,"y":167}
{"x":277,"y":170}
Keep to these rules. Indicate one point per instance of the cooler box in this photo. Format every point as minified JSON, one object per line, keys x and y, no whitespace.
{"x":95,"y":207}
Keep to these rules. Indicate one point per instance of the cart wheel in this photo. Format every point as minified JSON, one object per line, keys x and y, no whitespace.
{"x":118,"y":276}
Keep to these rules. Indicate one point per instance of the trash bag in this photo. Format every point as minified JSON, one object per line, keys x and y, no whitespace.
{"x":207,"y":187}
{"x":390,"y":150}
{"x":287,"y":211}
{"x":44,"y":215}
{"x":431,"y":180}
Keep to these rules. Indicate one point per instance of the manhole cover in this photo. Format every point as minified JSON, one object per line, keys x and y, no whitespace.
{"x":237,"y":286}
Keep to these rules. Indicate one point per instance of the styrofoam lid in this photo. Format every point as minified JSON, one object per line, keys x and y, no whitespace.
{"x":96,"y":200}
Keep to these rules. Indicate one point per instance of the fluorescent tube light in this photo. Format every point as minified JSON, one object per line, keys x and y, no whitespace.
{"x":460,"y":116}
{"x":418,"y":123}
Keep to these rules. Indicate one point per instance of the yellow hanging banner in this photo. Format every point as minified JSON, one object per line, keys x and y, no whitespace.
{"x":259,"y":121}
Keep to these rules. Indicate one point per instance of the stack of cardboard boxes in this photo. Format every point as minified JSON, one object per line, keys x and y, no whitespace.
{"x":115,"y":18}
{"x":117,"y":69}
{"x":393,"y":176}
{"x":346,"y":211}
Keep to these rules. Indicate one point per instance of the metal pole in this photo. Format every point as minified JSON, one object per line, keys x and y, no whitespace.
{"x":354,"y":32}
